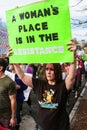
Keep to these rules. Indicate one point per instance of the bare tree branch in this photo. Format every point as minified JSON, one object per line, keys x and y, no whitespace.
{"x":76,"y":3}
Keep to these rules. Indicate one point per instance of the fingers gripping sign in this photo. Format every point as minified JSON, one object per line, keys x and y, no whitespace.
{"x":9,"y":52}
{"x":72,"y":45}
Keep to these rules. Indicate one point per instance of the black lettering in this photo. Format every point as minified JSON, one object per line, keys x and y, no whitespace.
{"x":48,"y":37}
{"x":41,"y":37}
{"x":33,"y":14}
{"x":40,"y":14}
{"x":30,"y":39}
{"x":13,"y":19}
{"x":37,"y":26}
{"x":19,"y":28}
{"x":25,"y":30}
{"x":55,"y":36}
{"x":19,"y":40}
{"x":55,"y":10}
{"x":47,"y":12}
{"x":21,"y":16}
{"x":44,"y":26}
{"x":31,"y":27}
{"x":27,"y":15}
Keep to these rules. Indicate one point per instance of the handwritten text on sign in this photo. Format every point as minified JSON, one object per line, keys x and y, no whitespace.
{"x":40,"y":30}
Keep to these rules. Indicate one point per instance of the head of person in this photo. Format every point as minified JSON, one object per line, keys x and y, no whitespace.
{"x":53,"y":72}
{"x":3,"y":65}
{"x":7,"y":60}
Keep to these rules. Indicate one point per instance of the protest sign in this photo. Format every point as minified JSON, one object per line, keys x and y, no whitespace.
{"x":39,"y":32}
{"x":84,"y":55}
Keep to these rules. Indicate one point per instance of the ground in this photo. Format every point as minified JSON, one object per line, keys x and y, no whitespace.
{"x":80,"y":119}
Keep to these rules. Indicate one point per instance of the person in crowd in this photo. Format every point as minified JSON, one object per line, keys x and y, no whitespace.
{"x":24,"y":67}
{"x":81,"y":62}
{"x":63,"y":71}
{"x":40,"y":70}
{"x":67,"y":67}
{"x":31,"y":99}
{"x":7,"y":98}
{"x":20,"y":86}
{"x":29,"y":69}
{"x":52,"y":93}
{"x":34,"y":67}
{"x":77,"y":83}
{"x":85,"y":65}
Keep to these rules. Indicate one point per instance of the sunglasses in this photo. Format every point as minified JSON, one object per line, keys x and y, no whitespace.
{"x":51,"y":69}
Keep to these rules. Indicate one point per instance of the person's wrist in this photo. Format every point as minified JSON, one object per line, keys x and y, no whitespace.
{"x":75,"y":55}
{"x":13,"y":116}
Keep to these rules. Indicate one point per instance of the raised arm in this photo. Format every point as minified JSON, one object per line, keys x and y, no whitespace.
{"x":72,"y":71}
{"x":25,"y":78}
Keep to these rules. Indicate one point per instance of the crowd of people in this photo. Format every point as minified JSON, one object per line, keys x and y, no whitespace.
{"x":51,"y":84}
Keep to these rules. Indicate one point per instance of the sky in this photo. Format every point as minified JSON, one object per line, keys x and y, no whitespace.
{"x":10,"y":4}
{"x":78,"y":11}
{"x":78,"y":14}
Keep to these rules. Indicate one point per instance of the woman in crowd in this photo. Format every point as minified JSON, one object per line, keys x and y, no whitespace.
{"x":52,"y":93}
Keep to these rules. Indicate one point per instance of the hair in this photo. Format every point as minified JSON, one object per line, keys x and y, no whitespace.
{"x":7,"y":60}
{"x":3,"y":63}
{"x":57,"y":72}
